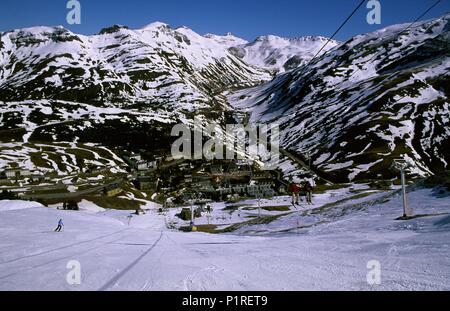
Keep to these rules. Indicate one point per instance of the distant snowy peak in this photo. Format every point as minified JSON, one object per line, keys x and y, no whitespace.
{"x":272,"y":53}
{"x":279,"y":54}
{"x":155,"y":25}
{"x":283,"y":40}
{"x":229,"y":40}
{"x":156,"y":63}
{"x":112,"y":29}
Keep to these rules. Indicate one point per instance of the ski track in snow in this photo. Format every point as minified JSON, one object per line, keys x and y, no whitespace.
{"x":116,"y":278}
{"x":147,"y":256}
{"x":61,"y":248}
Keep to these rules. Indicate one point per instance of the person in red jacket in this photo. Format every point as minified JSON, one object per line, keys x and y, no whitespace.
{"x":295,"y":190}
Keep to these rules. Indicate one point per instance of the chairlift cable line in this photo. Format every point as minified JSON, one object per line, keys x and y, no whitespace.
{"x":345,"y":22}
{"x":332,"y":36}
{"x":408,"y":27}
{"x":423,"y":14}
{"x":400,"y":33}
{"x":394,"y":73}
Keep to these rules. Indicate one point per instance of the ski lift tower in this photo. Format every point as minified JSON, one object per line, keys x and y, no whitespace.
{"x":402,"y":165}
{"x":258,"y":194}
{"x":193,"y":199}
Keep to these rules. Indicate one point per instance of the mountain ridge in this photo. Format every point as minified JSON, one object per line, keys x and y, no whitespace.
{"x":392,"y":92}
{"x":368,"y":101}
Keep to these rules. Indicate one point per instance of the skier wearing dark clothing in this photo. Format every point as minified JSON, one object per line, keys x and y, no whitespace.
{"x":60,"y":226}
{"x":309,"y":190}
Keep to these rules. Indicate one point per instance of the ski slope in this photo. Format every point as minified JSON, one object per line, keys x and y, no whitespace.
{"x":146,"y":256}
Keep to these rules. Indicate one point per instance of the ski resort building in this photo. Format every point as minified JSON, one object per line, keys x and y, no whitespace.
{"x":112,"y":190}
{"x":16,"y":173}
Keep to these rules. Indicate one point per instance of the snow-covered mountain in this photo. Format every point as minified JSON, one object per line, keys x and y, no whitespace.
{"x":229,"y":40}
{"x":155,"y":64}
{"x":120,"y":87}
{"x":371,"y":99}
{"x":279,"y":54}
{"x":274,"y":53}
{"x":374,"y":98}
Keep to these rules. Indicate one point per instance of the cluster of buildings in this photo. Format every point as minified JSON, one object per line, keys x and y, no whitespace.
{"x":216,"y":179}
{"x":242,"y":178}
{"x":264,"y":189}
{"x":19,"y":174}
{"x":145,"y":177}
{"x":112,"y":190}
{"x":136,"y":162}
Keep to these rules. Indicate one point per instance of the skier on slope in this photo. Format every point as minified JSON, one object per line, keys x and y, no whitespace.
{"x":295,"y":190}
{"x":60,"y":226}
{"x":309,"y":191}
{"x":130,"y":217}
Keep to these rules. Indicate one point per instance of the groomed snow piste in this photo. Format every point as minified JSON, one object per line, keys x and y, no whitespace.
{"x":332,"y":254}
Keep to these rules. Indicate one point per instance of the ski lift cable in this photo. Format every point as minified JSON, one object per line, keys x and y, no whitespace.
{"x":332,"y":36}
{"x":409,"y":26}
{"x":421,"y":16}
{"x":400,"y":33}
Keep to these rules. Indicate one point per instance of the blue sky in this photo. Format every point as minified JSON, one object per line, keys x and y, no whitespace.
{"x":245,"y":18}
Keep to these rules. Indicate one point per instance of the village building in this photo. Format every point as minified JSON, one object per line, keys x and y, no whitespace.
{"x":217,"y":170}
{"x":141,"y":165}
{"x":262,"y":175}
{"x":146,"y":183}
{"x":159,"y":160}
{"x":136,"y":162}
{"x":131,"y":159}
{"x":184,"y":166}
{"x":153,"y":165}
{"x":112,"y":190}
{"x":135,"y":157}
{"x":246,"y":162}
{"x":240,"y":189}
{"x":37,"y":178}
{"x":10,"y":174}
{"x":16,"y":173}
{"x":265,"y":189}
{"x":202,"y":184}
{"x":25,"y":173}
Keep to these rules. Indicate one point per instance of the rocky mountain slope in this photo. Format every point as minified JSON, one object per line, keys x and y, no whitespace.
{"x":377,"y":97}
{"x":153,"y":65}
{"x":121,"y":87}
{"x":365,"y":102}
